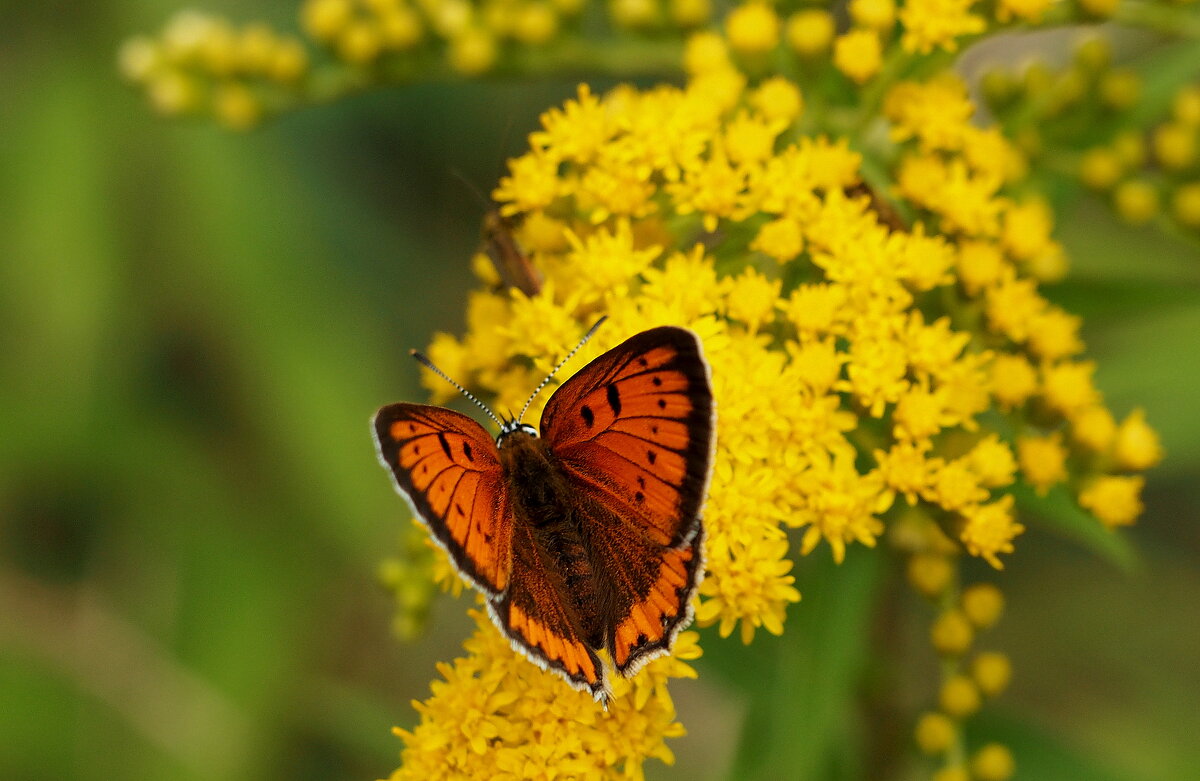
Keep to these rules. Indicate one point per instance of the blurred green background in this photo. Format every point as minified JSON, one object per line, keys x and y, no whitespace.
{"x":194,"y":329}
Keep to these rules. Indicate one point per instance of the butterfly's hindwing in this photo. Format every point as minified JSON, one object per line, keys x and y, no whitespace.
{"x":447,"y":466}
{"x":537,"y":617}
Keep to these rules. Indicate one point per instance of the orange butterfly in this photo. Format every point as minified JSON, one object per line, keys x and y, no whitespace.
{"x":588,"y":536}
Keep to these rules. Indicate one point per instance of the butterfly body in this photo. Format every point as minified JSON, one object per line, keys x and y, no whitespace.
{"x":588,"y":537}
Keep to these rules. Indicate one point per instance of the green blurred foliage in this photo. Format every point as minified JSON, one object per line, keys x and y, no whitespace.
{"x":194,"y":329}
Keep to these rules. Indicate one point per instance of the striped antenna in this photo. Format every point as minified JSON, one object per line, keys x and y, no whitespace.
{"x":428,"y":364}
{"x":550,"y":376}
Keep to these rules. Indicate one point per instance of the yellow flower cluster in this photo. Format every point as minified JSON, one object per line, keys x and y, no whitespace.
{"x":483,"y":717}
{"x":853,"y":357}
{"x":1144,"y":174}
{"x":203,"y":64}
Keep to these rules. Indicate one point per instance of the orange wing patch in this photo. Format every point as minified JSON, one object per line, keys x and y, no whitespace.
{"x":654,"y":618}
{"x":447,"y":466}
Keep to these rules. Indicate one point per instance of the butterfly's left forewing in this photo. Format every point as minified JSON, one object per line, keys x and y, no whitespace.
{"x":448,"y":468}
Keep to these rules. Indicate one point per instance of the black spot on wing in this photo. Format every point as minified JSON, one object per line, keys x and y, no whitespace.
{"x":614,"y":398}
{"x":445,"y":444}
{"x":589,"y":417}
{"x":467,"y":451}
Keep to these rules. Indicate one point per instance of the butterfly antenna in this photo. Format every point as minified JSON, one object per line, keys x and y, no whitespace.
{"x":568,"y":357}
{"x":428,"y":364}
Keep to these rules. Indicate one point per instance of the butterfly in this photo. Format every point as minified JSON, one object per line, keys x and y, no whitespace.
{"x":583,"y":536}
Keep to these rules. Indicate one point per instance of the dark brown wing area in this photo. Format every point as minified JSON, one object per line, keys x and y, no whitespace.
{"x":448,"y":468}
{"x":536,"y":616}
{"x":634,"y":430}
{"x":646,"y":588}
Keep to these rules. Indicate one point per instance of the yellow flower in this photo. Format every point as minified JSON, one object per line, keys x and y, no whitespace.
{"x":755,"y":592}
{"x":876,"y":14}
{"x":858,"y":54}
{"x":959,"y":696}
{"x":1027,"y":10}
{"x":906,"y":469}
{"x":992,"y":461}
{"x":1114,"y":500}
{"x":751,"y":298}
{"x":1137,"y":446}
{"x":1042,"y":460}
{"x":1013,"y":380}
{"x":810,"y":31}
{"x":752,"y":28}
{"x":841,"y":504}
{"x":1093,"y":428}
{"x":993,"y":762}
{"x":1055,"y":335}
{"x":778,"y":99}
{"x":992,"y":672}
{"x":980,"y":265}
{"x":990,"y":529}
{"x":982,"y":604}
{"x":782,"y":239}
{"x":935,"y":733}
{"x":930,"y":24}
{"x":1067,"y":387}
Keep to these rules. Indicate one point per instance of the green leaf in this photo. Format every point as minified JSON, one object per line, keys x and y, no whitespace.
{"x":803,"y":711}
{"x":1057,"y":512}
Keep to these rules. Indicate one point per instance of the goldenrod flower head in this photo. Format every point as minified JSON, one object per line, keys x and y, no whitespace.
{"x":1175,"y":145}
{"x":953,"y":773}
{"x":704,"y":52}
{"x":1093,"y":428}
{"x":690,"y":13}
{"x":1185,"y":204}
{"x":931,"y":24}
{"x":935,"y":733}
{"x":1013,"y":380}
{"x":1185,"y":107}
{"x":1136,"y":200}
{"x":959,"y":696}
{"x":858,"y":54}
{"x":1100,"y":168}
{"x":993,"y":461}
{"x":993,"y":762}
{"x":809,"y":32}
{"x":1042,"y":460}
{"x":472,"y":51}
{"x":1026,"y":10}
{"x":982,"y":604}
{"x":1115,"y":500}
{"x":930,"y":573}
{"x":990,"y":529}
{"x":1137,"y":445}
{"x":874,"y":14}
{"x":991,"y":671}
{"x":952,"y":634}
{"x":777,"y":99}
{"x":1067,"y":387}
{"x":752,"y":28}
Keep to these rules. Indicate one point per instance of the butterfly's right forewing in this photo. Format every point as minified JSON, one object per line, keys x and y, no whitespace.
{"x":448,"y":467}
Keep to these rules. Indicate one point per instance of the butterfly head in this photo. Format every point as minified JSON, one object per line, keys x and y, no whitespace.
{"x":512,"y":427}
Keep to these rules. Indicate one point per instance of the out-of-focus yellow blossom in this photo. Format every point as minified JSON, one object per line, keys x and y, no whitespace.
{"x":752,"y":28}
{"x":930,"y":24}
{"x":1137,"y":446}
{"x":952,"y":633}
{"x":1185,"y":204}
{"x":810,"y":32}
{"x":992,"y":672}
{"x":494,"y":715}
{"x":1042,"y":460}
{"x":875,"y":14}
{"x":953,"y":773}
{"x":1067,"y":387}
{"x":935,"y":733}
{"x":1025,"y":10}
{"x":982,"y":604}
{"x":1013,"y":379}
{"x":930,"y":573}
{"x":993,"y":762}
{"x":858,"y":54}
{"x":1115,"y":500}
{"x":959,"y":696}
